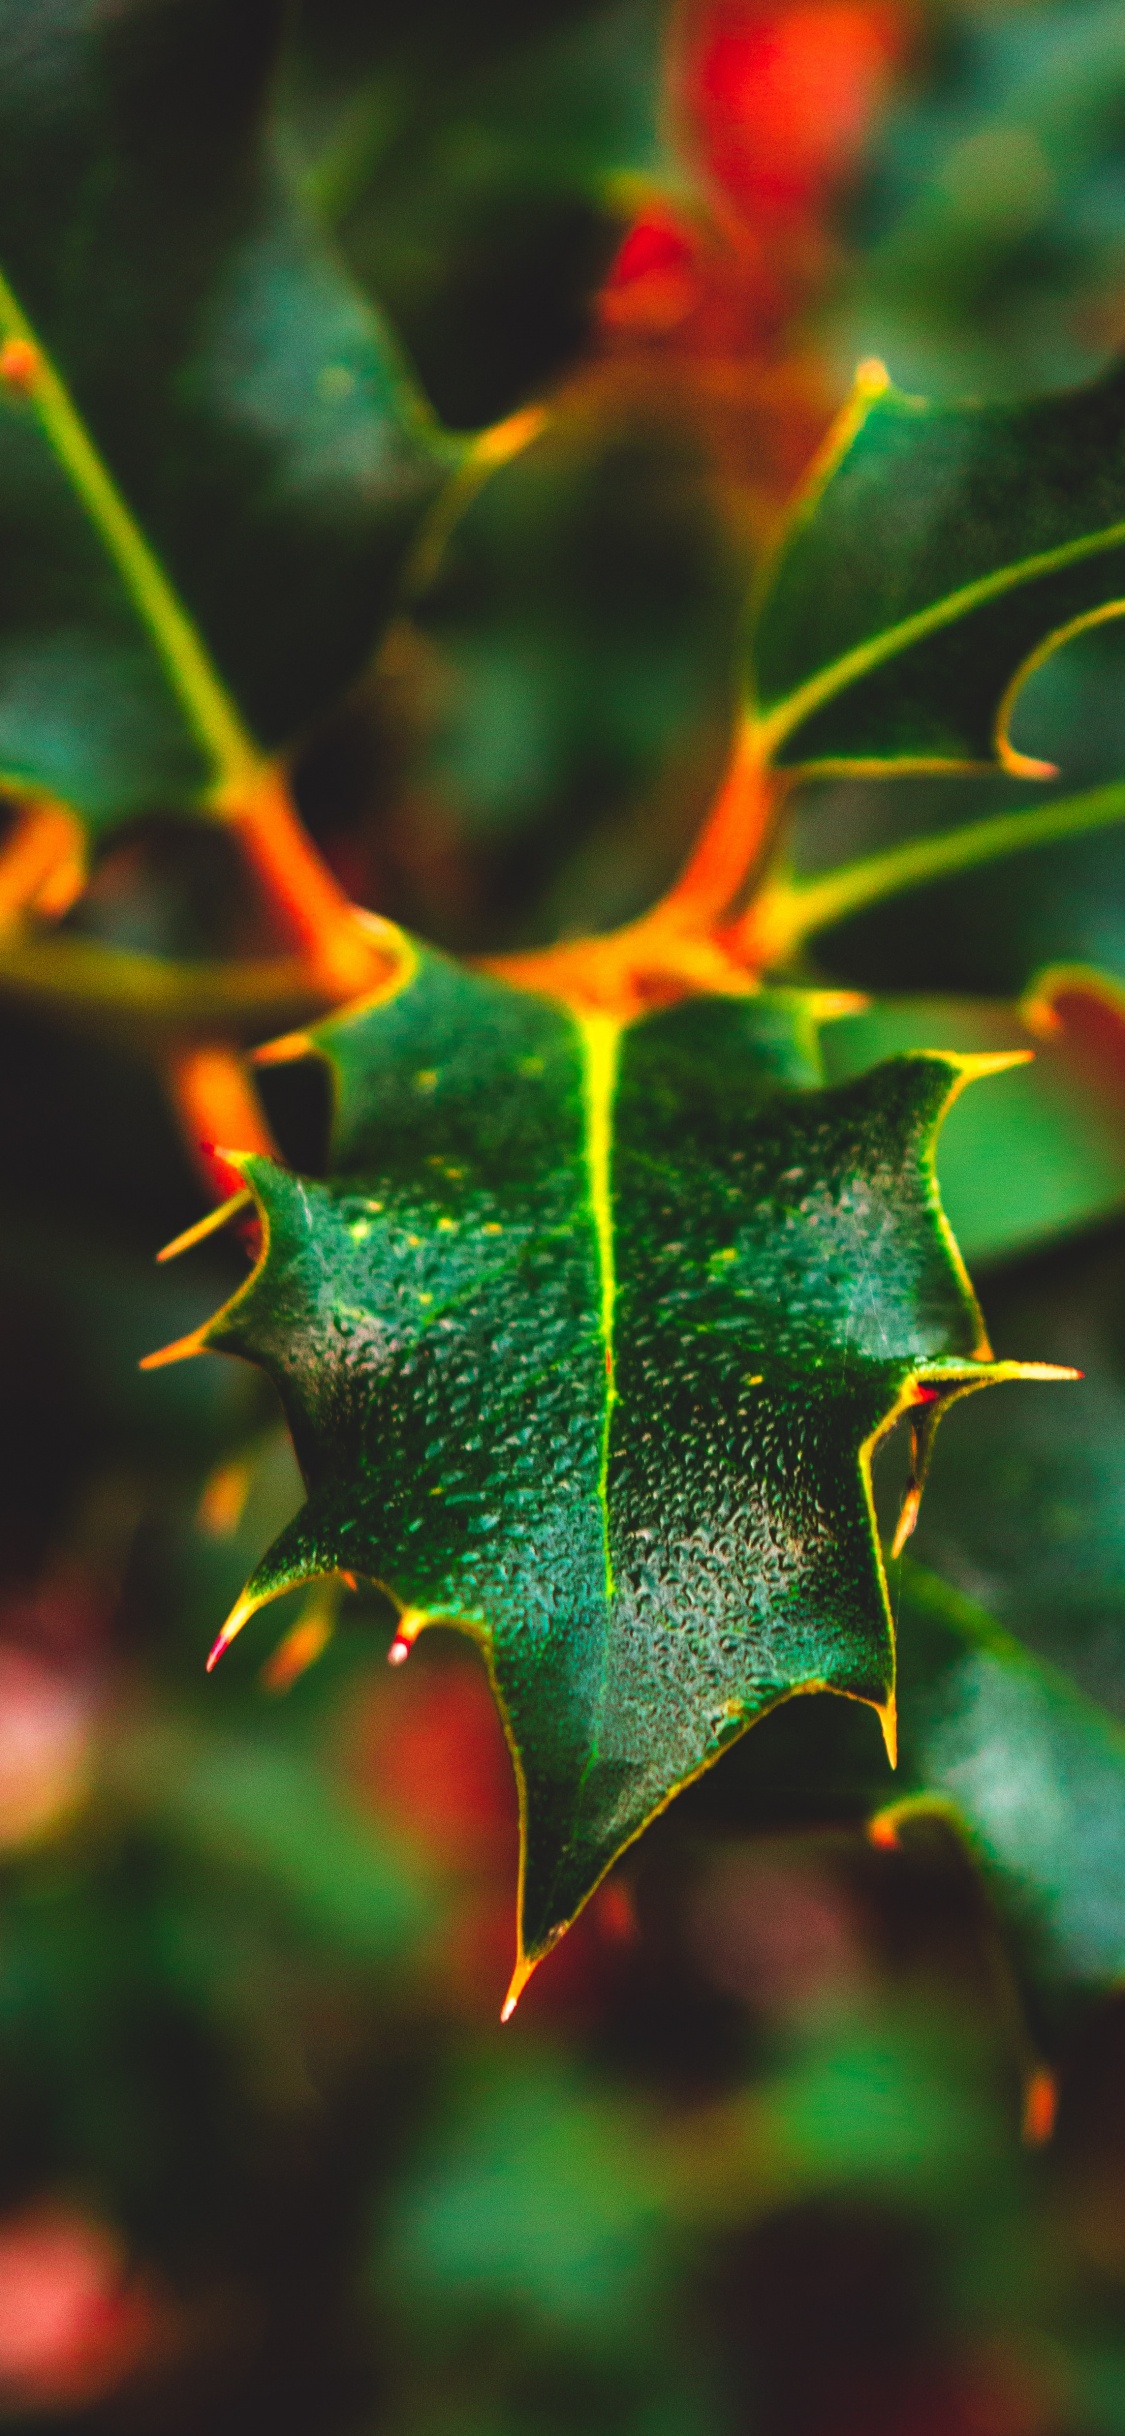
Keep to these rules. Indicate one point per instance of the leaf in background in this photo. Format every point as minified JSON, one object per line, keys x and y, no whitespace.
{"x":584,"y":1346}
{"x":1041,"y":1152}
{"x":991,"y":927}
{"x":1029,"y":1771}
{"x":937,"y":550}
{"x":1035,"y":1770}
{"x":478,"y":168}
{"x":200,"y":529}
{"x":1027,"y":1517}
{"x":562,"y":695}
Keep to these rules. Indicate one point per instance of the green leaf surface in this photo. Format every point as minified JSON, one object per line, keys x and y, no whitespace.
{"x":989,"y":926}
{"x":207,"y":489}
{"x":1025,"y":1506}
{"x":584,"y":1345}
{"x":938,"y":550}
{"x":1041,"y":1152}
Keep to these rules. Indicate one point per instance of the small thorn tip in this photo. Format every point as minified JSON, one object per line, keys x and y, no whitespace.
{"x":888,"y":1719}
{"x":520,"y":1977}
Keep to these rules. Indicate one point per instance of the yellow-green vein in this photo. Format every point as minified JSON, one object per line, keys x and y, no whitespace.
{"x":773,"y":726}
{"x":601,"y":1039}
{"x":790,"y":911}
{"x":208,"y":708}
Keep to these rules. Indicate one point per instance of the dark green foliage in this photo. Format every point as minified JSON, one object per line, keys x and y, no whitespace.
{"x":945,"y":547}
{"x":244,"y":395}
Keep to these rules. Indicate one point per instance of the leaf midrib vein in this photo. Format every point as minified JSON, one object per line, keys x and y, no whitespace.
{"x":207,"y":706}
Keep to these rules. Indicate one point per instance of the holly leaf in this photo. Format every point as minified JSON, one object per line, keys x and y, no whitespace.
{"x":584,"y":1344}
{"x":939,"y":554}
{"x":1041,"y":1153}
{"x":211,"y":459}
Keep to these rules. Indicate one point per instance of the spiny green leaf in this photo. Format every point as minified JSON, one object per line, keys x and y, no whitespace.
{"x":938,"y":550}
{"x":1040,"y":1153}
{"x":584,"y":1345}
{"x":207,"y":488}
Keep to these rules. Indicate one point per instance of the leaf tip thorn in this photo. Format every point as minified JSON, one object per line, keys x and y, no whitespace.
{"x":237,"y":1618}
{"x":520,"y":1977}
{"x":282,"y":1052}
{"x":888,"y":1719}
{"x":205,"y":1226}
{"x":183,"y":1350}
{"x":409,"y":1626}
{"x":907,"y":1519}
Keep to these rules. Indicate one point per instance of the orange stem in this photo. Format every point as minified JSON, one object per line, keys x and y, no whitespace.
{"x":732,"y":841}
{"x":42,"y":864}
{"x":311,"y":908}
{"x":219,"y":1109}
{"x":675,"y":950}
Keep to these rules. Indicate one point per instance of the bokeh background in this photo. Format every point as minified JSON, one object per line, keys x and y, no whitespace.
{"x":772,"y":2146}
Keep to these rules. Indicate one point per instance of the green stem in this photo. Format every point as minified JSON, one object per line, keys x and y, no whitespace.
{"x":795,"y":910}
{"x":206,"y":704}
{"x":121,"y":988}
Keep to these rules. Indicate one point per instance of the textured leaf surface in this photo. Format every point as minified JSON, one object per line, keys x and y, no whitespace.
{"x":937,"y":551}
{"x":241,"y":393}
{"x":1041,"y":1152}
{"x":584,"y":1345}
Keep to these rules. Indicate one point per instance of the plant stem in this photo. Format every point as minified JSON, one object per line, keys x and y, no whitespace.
{"x":218,"y":1108}
{"x":731,"y":841}
{"x":247,"y":792}
{"x":791,"y":911}
{"x":342,"y":955}
{"x":28,"y":372}
{"x":41,"y":863}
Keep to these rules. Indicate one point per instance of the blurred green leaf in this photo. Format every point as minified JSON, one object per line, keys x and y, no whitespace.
{"x":478,"y":170}
{"x":232,"y":383}
{"x":559,"y":703}
{"x":268,"y":1813}
{"x":990,"y":225}
{"x":1025,"y":1505}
